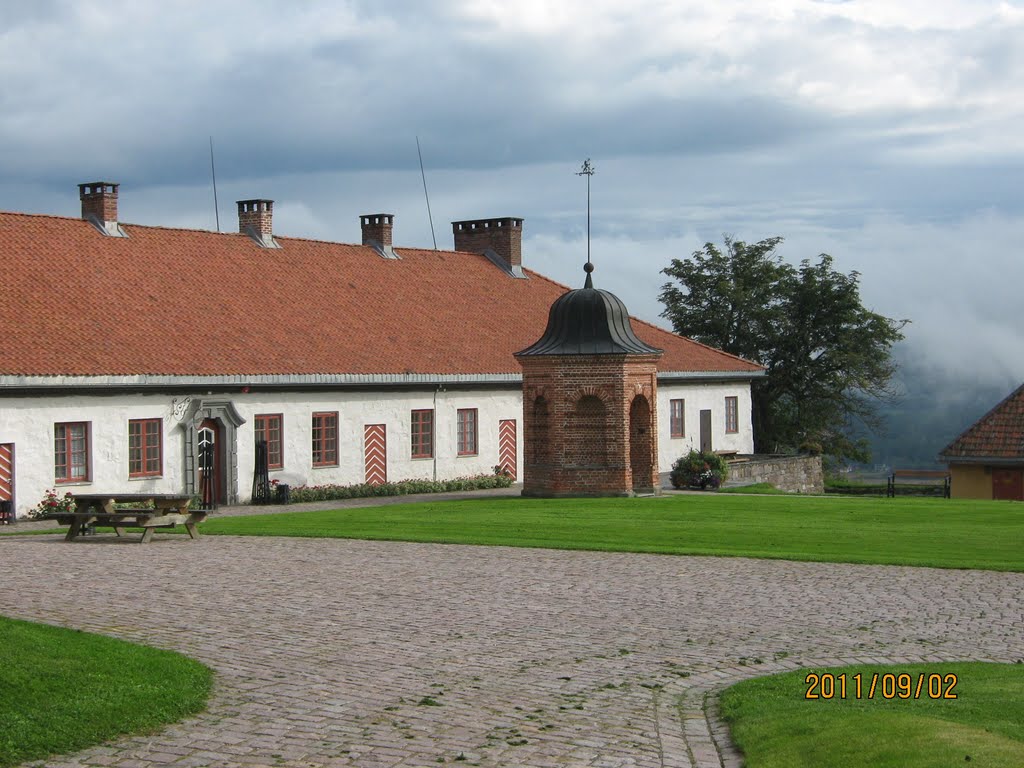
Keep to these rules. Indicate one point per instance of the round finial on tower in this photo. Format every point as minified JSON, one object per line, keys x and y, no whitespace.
{"x":588,"y":267}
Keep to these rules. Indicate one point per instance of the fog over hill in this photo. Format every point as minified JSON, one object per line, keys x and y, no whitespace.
{"x":935,"y":404}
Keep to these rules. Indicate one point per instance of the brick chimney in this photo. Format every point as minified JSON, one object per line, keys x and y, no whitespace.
{"x":377,"y":228}
{"x":501,"y":240}
{"x":256,"y":219}
{"x":99,"y":206}
{"x":377,"y":233}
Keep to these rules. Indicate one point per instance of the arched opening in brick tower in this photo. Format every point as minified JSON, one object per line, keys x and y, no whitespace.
{"x":538,"y":449}
{"x":641,"y":445}
{"x":587,"y":443}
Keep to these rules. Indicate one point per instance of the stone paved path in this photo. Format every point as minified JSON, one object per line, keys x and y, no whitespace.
{"x":337,"y":653}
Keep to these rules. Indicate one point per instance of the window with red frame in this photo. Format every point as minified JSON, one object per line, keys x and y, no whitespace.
{"x":677,"y":422}
{"x":732,"y":414}
{"x":71,"y":452}
{"x":422,"y":434}
{"x":145,"y":444}
{"x":325,"y":439}
{"x":466,"y":427}
{"x":268,"y":427}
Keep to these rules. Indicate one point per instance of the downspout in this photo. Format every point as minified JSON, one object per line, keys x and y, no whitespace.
{"x":437,"y":388}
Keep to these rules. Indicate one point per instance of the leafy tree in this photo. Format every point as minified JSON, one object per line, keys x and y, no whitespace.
{"x":729,"y":300}
{"x":828,"y":359}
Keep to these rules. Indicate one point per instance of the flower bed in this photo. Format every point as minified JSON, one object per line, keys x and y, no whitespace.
{"x":400,"y":488}
{"x":52,"y":504}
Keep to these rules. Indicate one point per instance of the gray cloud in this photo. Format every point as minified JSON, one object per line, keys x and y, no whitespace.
{"x":885,"y":134}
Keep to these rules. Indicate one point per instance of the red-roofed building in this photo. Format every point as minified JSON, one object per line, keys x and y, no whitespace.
{"x":128,"y":350}
{"x":987,"y":460}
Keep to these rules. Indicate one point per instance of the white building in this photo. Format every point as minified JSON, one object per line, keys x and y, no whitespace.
{"x":125,"y":348}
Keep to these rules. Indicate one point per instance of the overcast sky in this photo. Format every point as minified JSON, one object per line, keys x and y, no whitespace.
{"x":887,"y":133}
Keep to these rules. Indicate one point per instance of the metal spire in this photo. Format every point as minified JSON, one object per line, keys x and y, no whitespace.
{"x":588,"y":171}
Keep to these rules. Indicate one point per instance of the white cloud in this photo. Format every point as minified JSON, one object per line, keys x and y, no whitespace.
{"x":884,"y":133}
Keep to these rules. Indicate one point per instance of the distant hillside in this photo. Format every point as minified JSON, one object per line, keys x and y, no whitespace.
{"x":936,"y":405}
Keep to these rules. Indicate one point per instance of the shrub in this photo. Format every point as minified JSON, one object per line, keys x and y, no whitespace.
{"x":699,"y":470}
{"x":52,"y":504}
{"x":400,"y":488}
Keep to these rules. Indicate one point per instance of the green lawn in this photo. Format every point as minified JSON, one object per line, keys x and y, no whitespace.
{"x":777,"y":727}
{"x":926,"y":532}
{"x":754,"y":488}
{"x":63,"y":690}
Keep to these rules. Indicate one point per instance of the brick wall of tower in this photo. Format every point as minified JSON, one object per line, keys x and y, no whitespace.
{"x":572,"y":463}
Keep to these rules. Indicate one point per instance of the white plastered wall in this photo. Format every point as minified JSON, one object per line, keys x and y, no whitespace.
{"x":699,"y":397}
{"x":393,"y":409}
{"x":28,"y":423}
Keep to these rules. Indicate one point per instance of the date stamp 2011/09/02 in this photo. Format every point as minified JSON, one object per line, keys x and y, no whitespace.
{"x":888,"y":685}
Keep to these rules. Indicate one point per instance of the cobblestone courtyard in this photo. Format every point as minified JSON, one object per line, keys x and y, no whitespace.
{"x":352,"y":653}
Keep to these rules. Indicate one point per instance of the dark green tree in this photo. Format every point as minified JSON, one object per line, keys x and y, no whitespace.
{"x":828,"y":358}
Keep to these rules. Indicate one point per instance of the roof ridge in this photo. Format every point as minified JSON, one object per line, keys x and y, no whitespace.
{"x":122,"y":223}
{"x":978,"y":422}
{"x":42,"y":216}
{"x":202,"y":231}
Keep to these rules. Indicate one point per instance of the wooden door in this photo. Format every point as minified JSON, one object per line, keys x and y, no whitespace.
{"x":7,"y":479}
{"x":508,"y":447}
{"x":641,"y":445}
{"x":705,"y":431}
{"x":1008,"y":484}
{"x":375,"y":454}
{"x":212,"y":488}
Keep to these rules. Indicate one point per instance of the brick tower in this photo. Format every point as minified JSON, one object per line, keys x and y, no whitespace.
{"x":590,"y":390}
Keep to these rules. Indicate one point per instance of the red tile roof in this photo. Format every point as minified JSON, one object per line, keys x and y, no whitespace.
{"x":188,"y":302}
{"x":999,"y":434}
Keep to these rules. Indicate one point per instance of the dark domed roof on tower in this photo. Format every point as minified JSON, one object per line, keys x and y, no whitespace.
{"x":589,"y":321}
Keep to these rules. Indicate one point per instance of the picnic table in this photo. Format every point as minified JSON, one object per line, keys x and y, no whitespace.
{"x":163,"y":510}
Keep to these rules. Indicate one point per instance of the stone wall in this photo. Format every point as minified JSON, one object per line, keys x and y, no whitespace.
{"x":795,"y":474}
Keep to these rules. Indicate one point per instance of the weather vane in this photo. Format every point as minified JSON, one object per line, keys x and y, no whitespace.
{"x":588,"y":171}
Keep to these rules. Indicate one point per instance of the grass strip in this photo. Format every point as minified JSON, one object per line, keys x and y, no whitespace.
{"x":941,"y":533}
{"x":777,"y":727}
{"x":34,"y":532}
{"x":753,"y":488}
{"x":62,"y":690}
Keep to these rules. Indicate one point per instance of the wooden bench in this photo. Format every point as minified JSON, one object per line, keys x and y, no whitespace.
{"x":149,"y":520}
{"x":919,"y":474}
{"x":166,"y":511}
